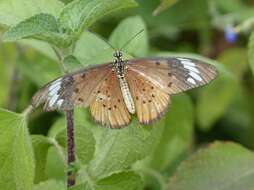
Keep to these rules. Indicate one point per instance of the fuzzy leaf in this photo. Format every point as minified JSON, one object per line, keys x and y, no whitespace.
{"x":121,"y":181}
{"x":55,"y":166}
{"x":125,"y":31}
{"x":16,"y":153}
{"x":90,"y":50}
{"x":221,"y":166}
{"x":84,"y":141}
{"x":80,"y":14}
{"x":40,"y":26}
{"x":41,"y":145}
{"x":50,"y":185}
{"x":118,"y":149}
{"x":177,"y":136}
{"x":128,"y":180}
{"x":14,"y":11}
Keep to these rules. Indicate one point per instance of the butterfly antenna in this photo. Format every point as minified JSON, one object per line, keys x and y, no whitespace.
{"x":132,"y":38}
{"x":103,"y":39}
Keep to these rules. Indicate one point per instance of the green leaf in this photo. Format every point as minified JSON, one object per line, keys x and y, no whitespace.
{"x":251,"y":52}
{"x":232,"y":6}
{"x":80,"y":187}
{"x":118,"y":149}
{"x":41,"y":145}
{"x":40,"y":46}
{"x":57,"y":128}
{"x":72,"y":63}
{"x":121,"y":181}
{"x":14,"y":11}
{"x":91,"y":50}
{"x":165,"y":4}
{"x":55,"y":167}
{"x":38,"y":68}
{"x":214,"y":99}
{"x":128,"y":180}
{"x":125,"y":31}
{"x":80,"y":14}
{"x":179,"y":17}
{"x":221,"y":166}
{"x":235,"y":60}
{"x":50,"y":185}
{"x":84,"y":141}
{"x":7,"y":55}
{"x":40,"y":26}
{"x":177,"y":136}
{"x":211,"y":106}
{"x":16,"y":153}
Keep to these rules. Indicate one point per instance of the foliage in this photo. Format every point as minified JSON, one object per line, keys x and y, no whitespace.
{"x":161,"y":156}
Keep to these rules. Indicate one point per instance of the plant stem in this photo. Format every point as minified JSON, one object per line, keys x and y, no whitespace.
{"x":60,"y":58}
{"x":70,"y":131}
{"x":71,"y":148}
{"x":27,"y":111}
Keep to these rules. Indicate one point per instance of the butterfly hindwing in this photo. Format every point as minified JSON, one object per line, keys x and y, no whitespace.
{"x":108,"y":107}
{"x":150,"y":101}
{"x":71,"y":90}
{"x":150,"y":81}
{"x":175,"y":74}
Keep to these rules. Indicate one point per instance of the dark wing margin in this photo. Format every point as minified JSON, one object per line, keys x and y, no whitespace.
{"x":174,"y":74}
{"x":70,"y":90}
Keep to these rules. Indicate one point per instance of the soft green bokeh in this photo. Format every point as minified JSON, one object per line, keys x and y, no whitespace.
{"x":161,"y":156}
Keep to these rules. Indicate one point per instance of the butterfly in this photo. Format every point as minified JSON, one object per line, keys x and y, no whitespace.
{"x":117,"y":90}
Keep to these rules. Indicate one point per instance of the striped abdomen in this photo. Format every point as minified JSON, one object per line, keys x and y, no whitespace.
{"x":128,"y":100}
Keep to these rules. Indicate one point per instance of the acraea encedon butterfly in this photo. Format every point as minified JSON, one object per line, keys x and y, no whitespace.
{"x":115,"y":91}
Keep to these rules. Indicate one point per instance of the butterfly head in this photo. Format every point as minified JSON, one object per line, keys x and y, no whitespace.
{"x":118,"y":54}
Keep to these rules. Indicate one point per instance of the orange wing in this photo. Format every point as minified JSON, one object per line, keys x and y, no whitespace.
{"x":152,"y":81}
{"x":150,"y":101}
{"x":72,"y":89}
{"x":108,"y":107}
{"x":174,"y":75}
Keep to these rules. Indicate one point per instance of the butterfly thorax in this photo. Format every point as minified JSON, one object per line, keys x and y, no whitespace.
{"x":120,"y":68}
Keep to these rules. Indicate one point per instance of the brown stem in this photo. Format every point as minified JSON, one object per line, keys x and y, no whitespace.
{"x":71,"y":174}
{"x":71,"y":148}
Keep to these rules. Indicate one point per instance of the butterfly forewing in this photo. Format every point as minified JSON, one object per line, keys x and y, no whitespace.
{"x":108,"y":107}
{"x":72,"y":89}
{"x":174,"y":75}
{"x":150,"y":82}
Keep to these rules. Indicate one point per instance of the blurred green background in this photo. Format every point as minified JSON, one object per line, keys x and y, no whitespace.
{"x":217,"y":31}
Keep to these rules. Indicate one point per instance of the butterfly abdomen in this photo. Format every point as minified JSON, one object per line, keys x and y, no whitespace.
{"x":128,"y":100}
